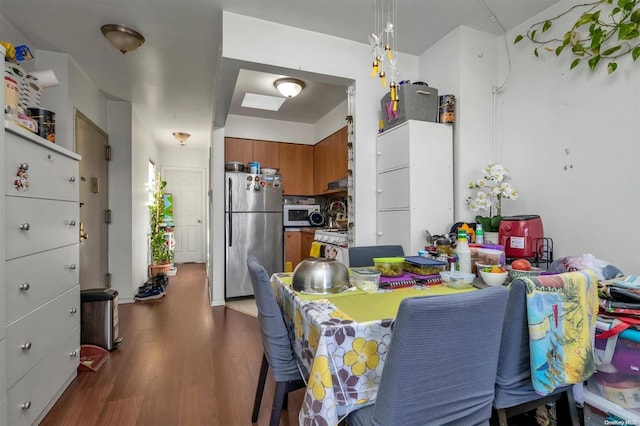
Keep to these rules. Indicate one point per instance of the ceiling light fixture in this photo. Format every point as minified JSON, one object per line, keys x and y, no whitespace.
{"x":123,"y":38}
{"x":289,"y":87}
{"x":181,"y":137}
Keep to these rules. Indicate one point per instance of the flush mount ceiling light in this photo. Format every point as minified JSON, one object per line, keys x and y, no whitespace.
{"x":181,"y":137}
{"x":289,"y":87}
{"x":123,"y":38}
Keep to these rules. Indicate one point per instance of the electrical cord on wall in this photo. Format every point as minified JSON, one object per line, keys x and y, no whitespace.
{"x":497,"y":89}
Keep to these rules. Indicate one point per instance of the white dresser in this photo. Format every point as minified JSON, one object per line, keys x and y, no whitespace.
{"x":415,"y":183}
{"x":41,"y":287}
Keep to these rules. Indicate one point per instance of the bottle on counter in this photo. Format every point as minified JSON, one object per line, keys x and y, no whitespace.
{"x":479,"y":234}
{"x":463,"y":252}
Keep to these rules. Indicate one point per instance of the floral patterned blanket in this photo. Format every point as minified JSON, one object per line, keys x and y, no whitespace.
{"x":562,"y":311}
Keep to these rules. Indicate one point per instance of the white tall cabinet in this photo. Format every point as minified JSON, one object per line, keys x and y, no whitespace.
{"x":39,"y":287}
{"x":414,"y":183}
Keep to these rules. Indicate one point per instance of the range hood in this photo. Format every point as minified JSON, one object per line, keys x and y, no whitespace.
{"x":339,"y":184}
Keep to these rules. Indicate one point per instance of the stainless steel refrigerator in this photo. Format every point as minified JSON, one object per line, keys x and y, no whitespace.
{"x":253,"y":226}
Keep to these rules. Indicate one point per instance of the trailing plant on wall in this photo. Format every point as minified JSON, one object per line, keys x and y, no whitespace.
{"x":604,"y":32}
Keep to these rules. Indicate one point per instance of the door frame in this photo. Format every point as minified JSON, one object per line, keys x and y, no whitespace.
{"x":205,"y":202}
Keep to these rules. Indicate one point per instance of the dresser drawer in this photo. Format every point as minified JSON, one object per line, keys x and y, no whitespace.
{"x":35,"y":279}
{"x":50,"y":174}
{"x":35,"y":225}
{"x":32,"y":337}
{"x":27,"y":399}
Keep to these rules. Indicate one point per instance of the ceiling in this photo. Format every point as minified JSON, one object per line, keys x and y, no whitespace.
{"x":170,"y":79}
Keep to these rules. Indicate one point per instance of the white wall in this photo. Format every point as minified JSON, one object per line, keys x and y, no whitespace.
{"x":464,"y":63}
{"x":243,"y":39}
{"x":268,"y":130}
{"x":569,"y":137}
{"x":571,"y":140}
{"x":286,"y":131}
{"x":182,"y":157}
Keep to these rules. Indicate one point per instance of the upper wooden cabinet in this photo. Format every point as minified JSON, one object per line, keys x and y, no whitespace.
{"x":238,"y":150}
{"x":246,"y":150}
{"x":267,"y":154}
{"x":305,"y":169}
{"x":296,"y":168}
{"x":330,"y":160}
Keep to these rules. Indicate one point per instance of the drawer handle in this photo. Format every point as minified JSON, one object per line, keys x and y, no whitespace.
{"x":24,"y":166}
{"x":72,"y":223}
{"x":24,"y":286}
{"x":25,"y":227}
{"x":25,"y":405}
{"x":26,"y":346}
{"x":72,"y":178}
{"x":379,"y":191}
{"x":73,"y":311}
{"x":73,"y":354}
{"x":72,"y":266}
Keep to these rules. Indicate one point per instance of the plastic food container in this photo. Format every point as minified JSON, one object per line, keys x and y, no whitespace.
{"x":488,"y":256}
{"x":366,"y":279}
{"x":423,"y":266}
{"x":457,"y":279}
{"x":389,"y":266}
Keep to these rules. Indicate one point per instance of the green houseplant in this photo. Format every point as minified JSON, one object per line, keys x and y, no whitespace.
{"x":491,"y":189}
{"x":604,"y":32}
{"x":161,"y":252}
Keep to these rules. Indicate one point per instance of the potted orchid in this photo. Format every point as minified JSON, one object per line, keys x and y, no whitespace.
{"x":490,"y":190}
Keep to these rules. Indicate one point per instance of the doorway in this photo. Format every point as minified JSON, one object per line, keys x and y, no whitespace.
{"x":187,"y":189}
{"x":92,"y":144}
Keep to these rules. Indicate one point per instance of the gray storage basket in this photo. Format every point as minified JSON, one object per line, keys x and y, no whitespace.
{"x":417,"y":102}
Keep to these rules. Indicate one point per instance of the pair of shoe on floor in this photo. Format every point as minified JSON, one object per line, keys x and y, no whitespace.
{"x":155,"y":288}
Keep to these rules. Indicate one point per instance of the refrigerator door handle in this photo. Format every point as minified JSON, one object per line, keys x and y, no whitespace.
{"x":230,"y":214}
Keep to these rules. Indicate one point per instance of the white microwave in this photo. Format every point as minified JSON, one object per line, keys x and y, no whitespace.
{"x":298,"y":214}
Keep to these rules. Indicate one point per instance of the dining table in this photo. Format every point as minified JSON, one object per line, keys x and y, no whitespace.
{"x":341,"y":342}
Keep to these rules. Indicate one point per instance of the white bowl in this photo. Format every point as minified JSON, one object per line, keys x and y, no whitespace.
{"x":493,"y":279}
{"x":268,"y":171}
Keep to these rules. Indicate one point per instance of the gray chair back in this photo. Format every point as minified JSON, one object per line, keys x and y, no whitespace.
{"x":364,"y":255}
{"x":515,"y":393}
{"x":442,"y":361}
{"x":275,"y":338}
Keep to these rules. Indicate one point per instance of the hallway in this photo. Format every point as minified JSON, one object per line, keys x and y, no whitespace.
{"x":181,"y":362}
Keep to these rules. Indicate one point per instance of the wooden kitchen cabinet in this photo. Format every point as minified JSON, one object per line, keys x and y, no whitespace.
{"x":330,"y":160}
{"x":292,"y":243}
{"x":247,"y":150}
{"x":238,"y":150}
{"x":308,"y":236}
{"x":296,"y":168}
{"x":267,"y":154}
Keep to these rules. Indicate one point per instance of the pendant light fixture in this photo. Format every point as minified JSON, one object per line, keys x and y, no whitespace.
{"x":123,"y":38}
{"x":181,"y":137}
{"x":289,"y":87}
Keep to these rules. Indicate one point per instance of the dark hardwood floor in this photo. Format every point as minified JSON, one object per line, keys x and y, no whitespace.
{"x":182,"y":362}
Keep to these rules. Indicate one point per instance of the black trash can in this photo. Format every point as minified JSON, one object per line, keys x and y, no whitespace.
{"x":99,"y":319}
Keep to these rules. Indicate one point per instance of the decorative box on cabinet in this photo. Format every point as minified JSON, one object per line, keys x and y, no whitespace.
{"x":415,"y":183}
{"x":41,"y":277}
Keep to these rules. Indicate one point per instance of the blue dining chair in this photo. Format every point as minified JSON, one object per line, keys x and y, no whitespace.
{"x":514,"y":390}
{"x":277,"y":349}
{"x":364,"y":255}
{"x":441,"y":364}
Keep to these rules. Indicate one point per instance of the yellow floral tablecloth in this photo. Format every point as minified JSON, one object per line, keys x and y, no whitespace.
{"x":342,"y":340}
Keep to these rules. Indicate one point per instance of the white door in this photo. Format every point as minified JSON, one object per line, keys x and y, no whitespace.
{"x":187,"y":188}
